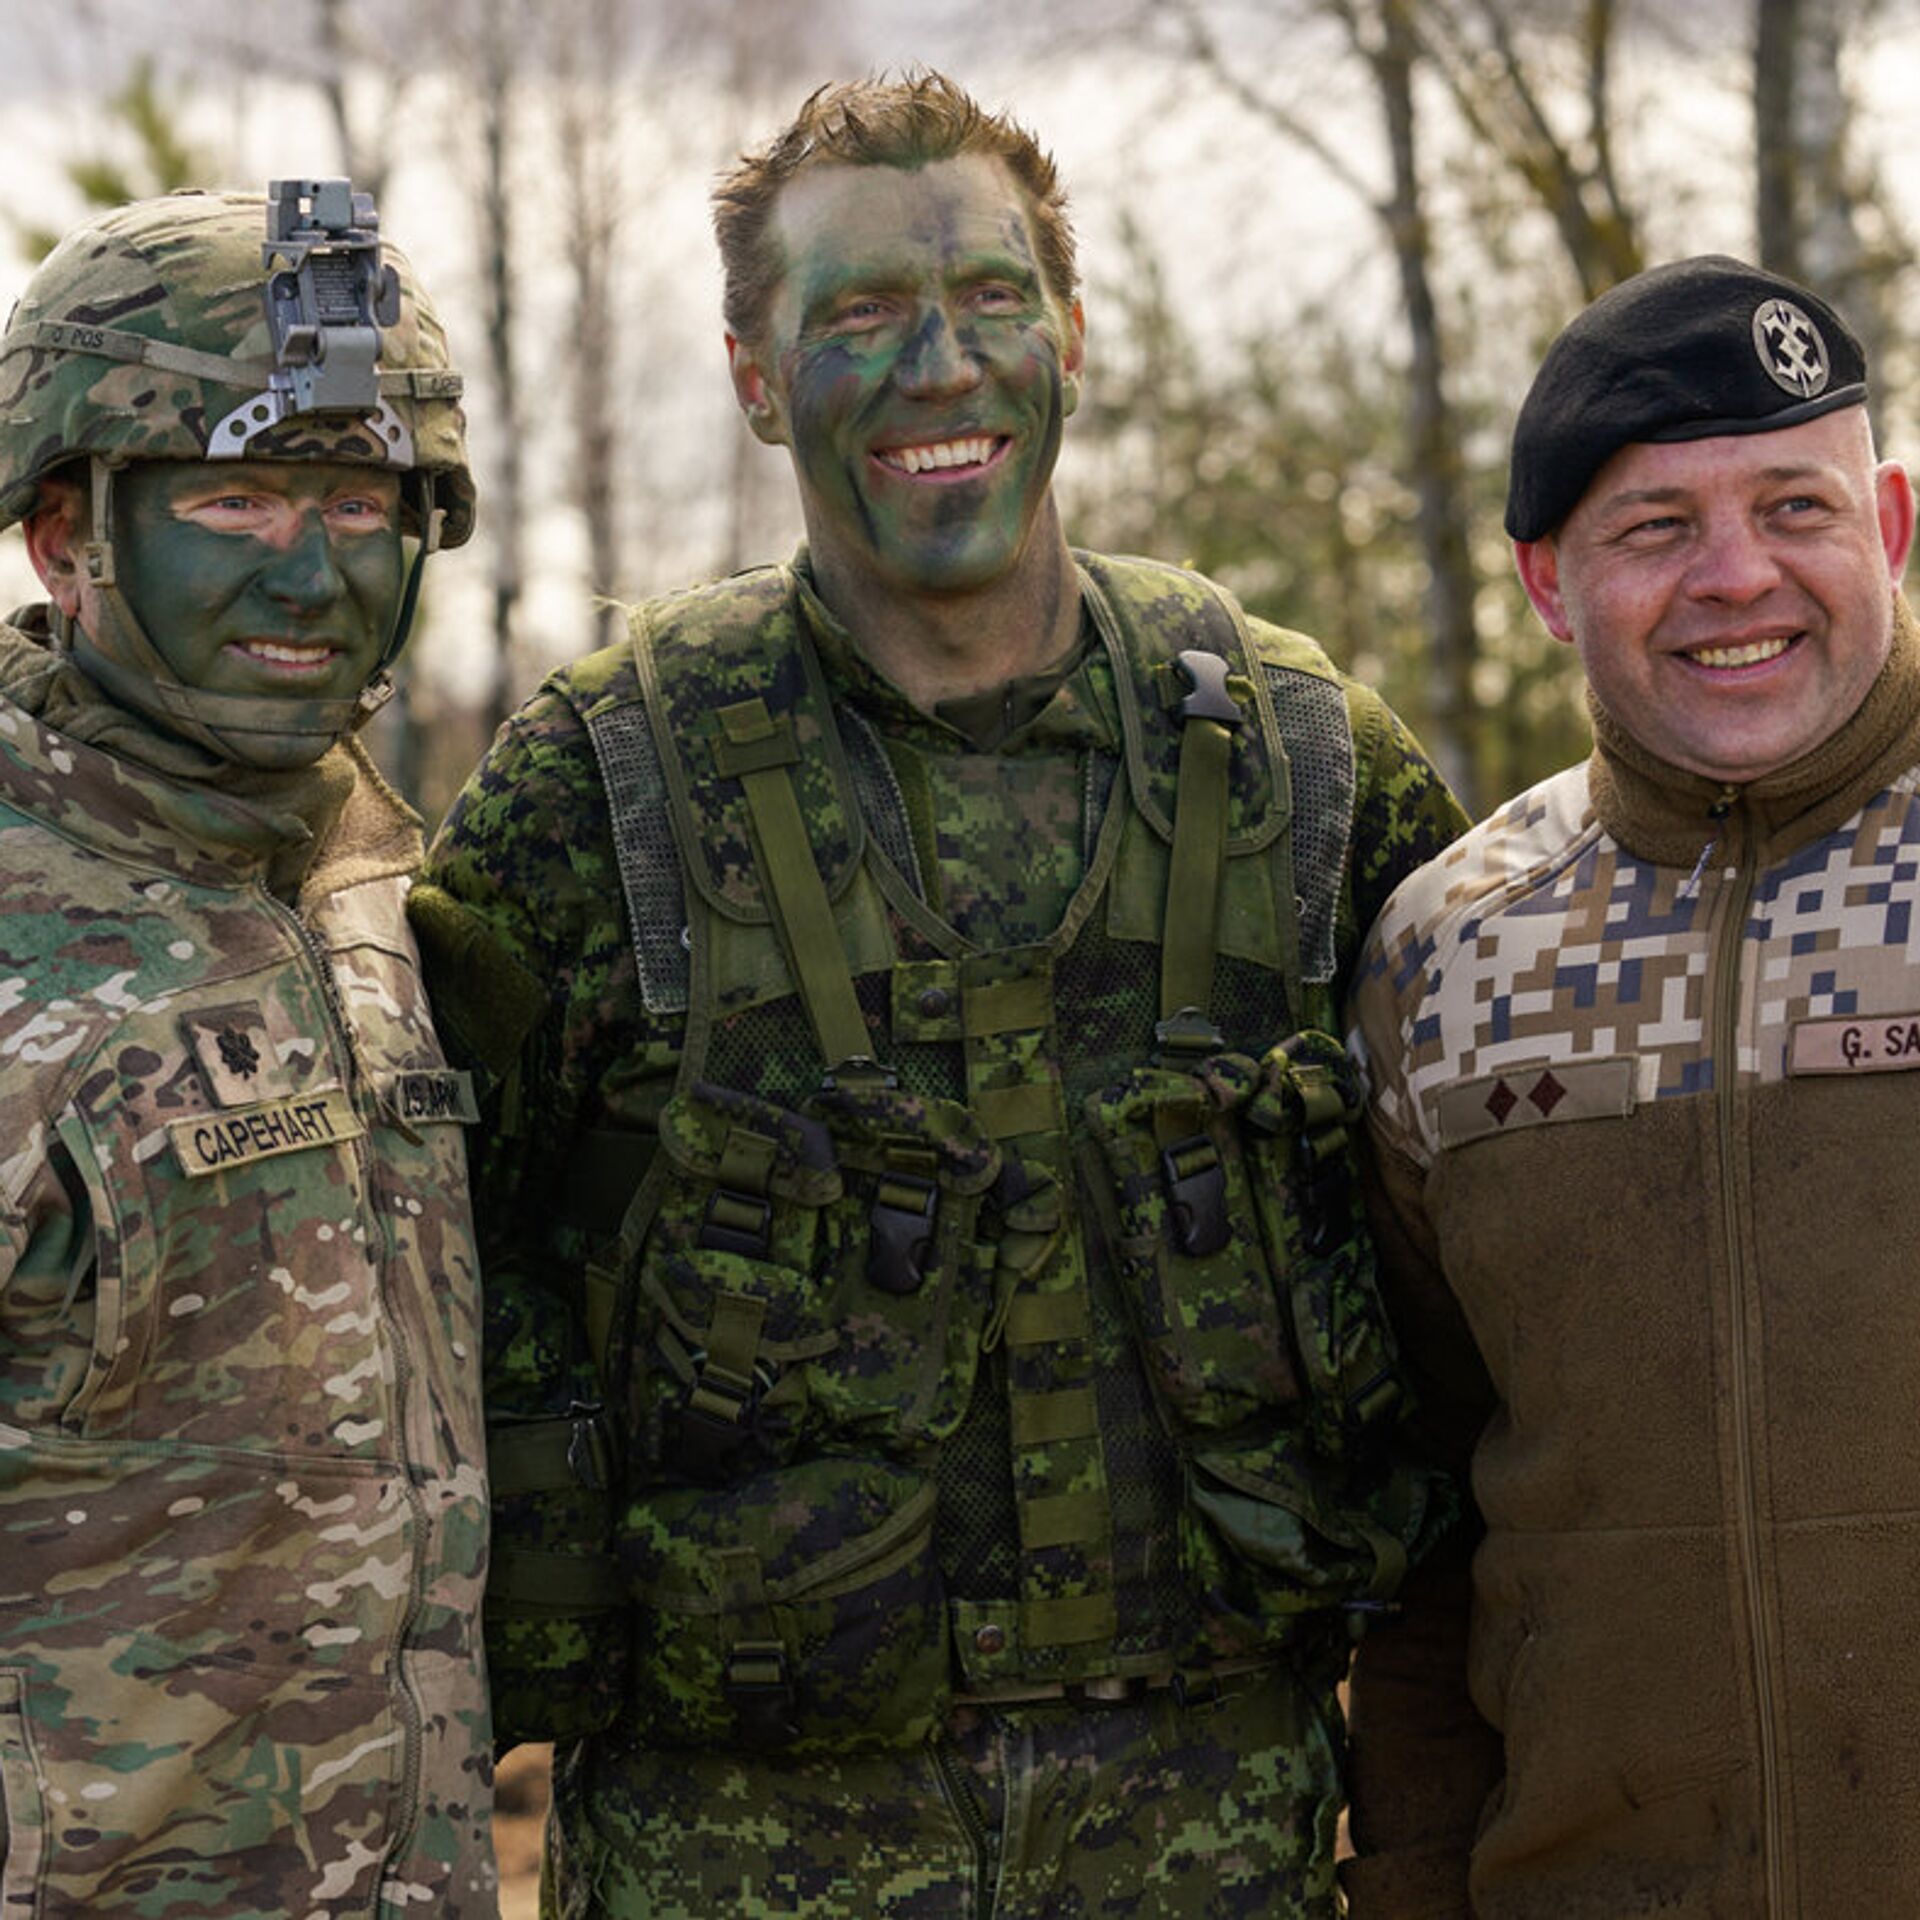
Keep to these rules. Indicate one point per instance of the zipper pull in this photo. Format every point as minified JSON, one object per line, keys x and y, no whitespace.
{"x":1717,"y":813}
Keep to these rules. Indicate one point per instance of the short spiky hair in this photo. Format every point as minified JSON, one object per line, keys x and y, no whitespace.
{"x":921,"y":117}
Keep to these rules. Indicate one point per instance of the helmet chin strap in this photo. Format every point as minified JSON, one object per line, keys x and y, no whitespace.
{"x":257,"y":730}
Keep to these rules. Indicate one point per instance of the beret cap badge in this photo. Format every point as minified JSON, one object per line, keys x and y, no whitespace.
{"x":1691,"y":350}
{"x":1790,"y":348}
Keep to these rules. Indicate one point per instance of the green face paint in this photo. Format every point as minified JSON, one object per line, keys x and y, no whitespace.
{"x":918,"y":369}
{"x":268,"y":578}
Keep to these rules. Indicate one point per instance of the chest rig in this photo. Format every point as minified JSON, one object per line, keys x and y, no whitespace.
{"x":987,"y":1319}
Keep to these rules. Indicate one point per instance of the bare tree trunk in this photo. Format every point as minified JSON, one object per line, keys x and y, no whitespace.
{"x":586,"y":58}
{"x":1776,"y":152}
{"x":1432,"y":433}
{"x":1816,"y":209}
{"x":496,"y":210}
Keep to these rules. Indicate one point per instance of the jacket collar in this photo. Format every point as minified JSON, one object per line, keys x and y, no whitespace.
{"x":1660,"y":813}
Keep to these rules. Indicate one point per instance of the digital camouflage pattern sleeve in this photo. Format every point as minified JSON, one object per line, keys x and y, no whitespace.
{"x":1404,"y":814}
{"x":524,"y":940}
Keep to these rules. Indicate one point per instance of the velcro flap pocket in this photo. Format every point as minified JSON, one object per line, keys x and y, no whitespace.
{"x":799,"y":1609}
{"x":1189,"y":1248}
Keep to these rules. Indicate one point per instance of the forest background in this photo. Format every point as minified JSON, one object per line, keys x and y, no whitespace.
{"x":1324,"y":243}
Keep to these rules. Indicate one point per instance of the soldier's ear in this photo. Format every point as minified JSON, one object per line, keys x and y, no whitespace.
{"x":53,"y":532}
{"x":1538,"y":562}
{"x":758,"y":394}
{"x":1073,"y":362}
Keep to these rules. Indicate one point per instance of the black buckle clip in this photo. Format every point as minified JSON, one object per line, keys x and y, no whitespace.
{"x":1209,"y":700}
{"x":1197,"y":1194}
{"x":737,"y":1223}
{"x":901,"y":1232}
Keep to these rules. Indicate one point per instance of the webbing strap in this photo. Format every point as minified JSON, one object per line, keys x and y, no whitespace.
{"x":1067,"y":1413}
{"x":1192,"y":918}
{"x":1035,"y":1318}
{"x":1063,"y":1519}
{"x":539,"y":1579}
{"x":1070,"y":1621}
{"x":1008,"y":1112}
{"x":760,"y":751}
{"x":566,"y":1453}
{"x":725,"y":1385}
{"x":117,"y":343}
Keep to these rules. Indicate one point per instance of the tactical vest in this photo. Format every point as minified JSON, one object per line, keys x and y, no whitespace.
{"x":987,"y":1321}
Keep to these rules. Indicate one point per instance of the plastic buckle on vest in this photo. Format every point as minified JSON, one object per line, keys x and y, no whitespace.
{"x":857,"y":1071}
{"x":1185,"y":1034}
{"x":1197,"y":1194}
{"x":760,"y":1690}
{"x":717,"y":1422}
{"x":737,"y":1223}
{"x":1209,"y":700}
{"x":1372,"y":1400}
{"x":900,"y":1230}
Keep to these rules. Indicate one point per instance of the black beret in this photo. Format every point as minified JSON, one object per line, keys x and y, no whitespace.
{"x":1681,"y":352}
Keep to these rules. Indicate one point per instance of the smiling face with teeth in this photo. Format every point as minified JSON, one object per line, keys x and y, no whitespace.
{"x":1731,"y":598}
{"x":918,"y":369}
{"x":274,"y":577}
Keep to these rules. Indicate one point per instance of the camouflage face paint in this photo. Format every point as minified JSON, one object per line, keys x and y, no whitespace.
{"x":267,"y":578}
{"x":919,"y":370}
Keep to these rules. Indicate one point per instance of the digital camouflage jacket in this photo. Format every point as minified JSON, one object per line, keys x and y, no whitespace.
{"x":242,"y":1504}
{"x":872,"y":1436}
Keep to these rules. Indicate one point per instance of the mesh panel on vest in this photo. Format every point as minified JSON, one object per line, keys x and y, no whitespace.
{"x":1313,"y":721}
{"x":881,"y":800}
{"x":636,"y":789}
{"x":979,"y":1520}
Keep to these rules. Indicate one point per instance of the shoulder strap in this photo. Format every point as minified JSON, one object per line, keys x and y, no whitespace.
{"x":1215,"y":787}
{"x":716,"y":648}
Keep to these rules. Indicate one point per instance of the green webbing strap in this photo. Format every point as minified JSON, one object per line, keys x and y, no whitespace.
{"x":537,"y":1580}
{"x":1067,"y":1413}
{"x":547,"y":1456}
{"x":1063,"y":1519}
{"x":1008,"y":1112}
{"x":1034,"y":1319}
{"x":759,"y":751}
{"x":600,"y":1302}
{"x":725,"y":1385}
{"x":1199,"y":852}
{"x":1070,"y":1621}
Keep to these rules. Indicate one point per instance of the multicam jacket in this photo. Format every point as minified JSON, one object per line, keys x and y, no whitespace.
{"x":242,"y":1505}
{"x":1644,"y":1054}
{"x":912,"y":1388}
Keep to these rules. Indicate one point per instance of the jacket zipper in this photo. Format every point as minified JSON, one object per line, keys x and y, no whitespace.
{"x":407,"y":1707}
{"x":963,"y":1797}
{"x":1726,"y":1067}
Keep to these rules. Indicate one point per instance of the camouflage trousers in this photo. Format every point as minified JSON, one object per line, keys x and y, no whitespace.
{"x":1218,"y":1810}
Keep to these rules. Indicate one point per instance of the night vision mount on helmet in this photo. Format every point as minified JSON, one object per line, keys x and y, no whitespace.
{"x":183,"y":328}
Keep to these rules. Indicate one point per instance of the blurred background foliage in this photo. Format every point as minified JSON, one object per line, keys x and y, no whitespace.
{"x":1324,"y":243}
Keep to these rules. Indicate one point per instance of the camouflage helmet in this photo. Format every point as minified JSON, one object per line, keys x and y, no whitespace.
{"x":209,"y":327}
{"x":145,"y":332}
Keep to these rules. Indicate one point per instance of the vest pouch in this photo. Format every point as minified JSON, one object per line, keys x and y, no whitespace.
{"x":1189,"y":1248}
{"x":735,"y":1287}
{"x":1299,"y":1129}
{"x":798,"y":1610}
{"x":915,"y":1286}
{"x":1268,"y":1538}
